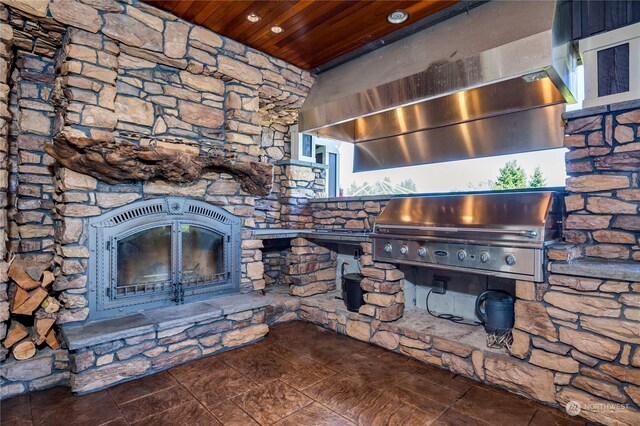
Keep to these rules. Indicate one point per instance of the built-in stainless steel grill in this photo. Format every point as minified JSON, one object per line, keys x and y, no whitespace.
{"x":499,"y":234}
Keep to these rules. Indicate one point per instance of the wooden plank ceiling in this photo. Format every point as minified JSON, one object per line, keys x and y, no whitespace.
{"x":315,"y":31}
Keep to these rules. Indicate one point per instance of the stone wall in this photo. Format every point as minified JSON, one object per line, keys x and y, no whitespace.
{"x":31,"y":226}
{"x":383,"y":282}
{"x":583,"y":323}
{"x":48,"y":368}
{"x":300,"y":181}
{"x":294,"y":183}
{"x":128,"y":354}
{"x":6,"y":58}
{"x":311,"y":268}
{"x":275,"y":257}
{"x":603,"y":190}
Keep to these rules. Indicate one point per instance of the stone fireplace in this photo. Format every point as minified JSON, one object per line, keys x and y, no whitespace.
{"x":140,"y":154}
{"x":161,"y":252}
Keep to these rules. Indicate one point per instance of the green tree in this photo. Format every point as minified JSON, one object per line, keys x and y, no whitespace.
{"x":382,"y":187}
{"x":512,"y":176}
{"x":537,"y":179}
{"x":409,"y":185}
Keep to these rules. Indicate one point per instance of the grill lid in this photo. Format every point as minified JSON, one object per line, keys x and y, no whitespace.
{"x":521,"y":216}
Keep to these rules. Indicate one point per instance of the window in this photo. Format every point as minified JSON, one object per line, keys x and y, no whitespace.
{"x":328,"y":153}
{"x":531,"y":169}
{"x":307,"y":145}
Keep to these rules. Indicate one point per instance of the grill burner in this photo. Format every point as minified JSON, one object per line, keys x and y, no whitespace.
{"x":498,"y":234}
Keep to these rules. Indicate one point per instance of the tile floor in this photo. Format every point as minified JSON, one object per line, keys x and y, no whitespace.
{"x":299,"y":375}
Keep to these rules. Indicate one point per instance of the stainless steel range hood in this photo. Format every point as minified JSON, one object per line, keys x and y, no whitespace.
{"x":492,"y":81}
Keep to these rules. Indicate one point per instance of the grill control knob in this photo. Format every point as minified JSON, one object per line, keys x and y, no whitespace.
{"x":484,"y":257}
{"x":462,"y":255}
{"x":388,"y":248}
{"x":510,"y":260}
{"x":404,"y":250}
{"x":422,"y":252}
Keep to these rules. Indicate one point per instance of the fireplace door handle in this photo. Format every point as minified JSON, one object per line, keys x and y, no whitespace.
{"x":178,"y":293}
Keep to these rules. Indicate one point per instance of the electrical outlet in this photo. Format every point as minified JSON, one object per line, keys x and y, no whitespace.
{"x":439,"y":286}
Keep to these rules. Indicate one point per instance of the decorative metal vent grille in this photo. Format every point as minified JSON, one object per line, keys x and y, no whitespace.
{"x":208,"y":212}
{"x":137,"y":212}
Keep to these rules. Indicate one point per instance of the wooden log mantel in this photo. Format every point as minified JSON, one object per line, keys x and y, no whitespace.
{"x":121,"y":161}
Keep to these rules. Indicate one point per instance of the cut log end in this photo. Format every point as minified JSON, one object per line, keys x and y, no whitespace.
{"x":24,"y":350}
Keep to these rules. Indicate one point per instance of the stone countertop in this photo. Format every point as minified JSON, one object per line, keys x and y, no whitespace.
{"x":620,"y":270}
{"x":337,"y":236}
{"x":107,"y":330}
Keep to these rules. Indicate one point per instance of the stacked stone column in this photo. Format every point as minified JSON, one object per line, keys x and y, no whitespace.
{"x":384,"y":284}
{"x":580,"y":329}
{"x":30,"y":219}
{"x":310,"y":269}
{"x":6,"y":58}
{"x":242,"y":125}
{"x":603,"y":189}
{"x":85,"y":97}
{"x":300,"y":181}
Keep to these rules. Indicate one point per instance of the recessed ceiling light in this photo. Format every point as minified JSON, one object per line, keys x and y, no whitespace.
{"x":276,"y":29}
{"x":252,"y":17}
{"x":398,"y":16}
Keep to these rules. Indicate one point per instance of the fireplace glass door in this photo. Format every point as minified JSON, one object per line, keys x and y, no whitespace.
{"x":175,"y":259}
{"x":144,"y":262}
{"x":202,"y":256}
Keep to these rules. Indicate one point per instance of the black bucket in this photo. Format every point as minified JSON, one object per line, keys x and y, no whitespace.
{"x":498,"y":314}
{"x":352,"y":292}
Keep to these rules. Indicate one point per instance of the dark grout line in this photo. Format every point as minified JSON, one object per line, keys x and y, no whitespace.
{"x":193,"y":396}
{"x":30,"y":408}
{"x":118,"y":407}
{"x":152,"y":393}
{"x":241,"y":409}
{"x":333,"y":411}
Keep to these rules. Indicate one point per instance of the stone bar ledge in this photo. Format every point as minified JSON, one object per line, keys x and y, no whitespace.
{"x":621,"y":270}
{"x":287,"y":234}
{"x":108,"y":330}
{"x":301,"y":164}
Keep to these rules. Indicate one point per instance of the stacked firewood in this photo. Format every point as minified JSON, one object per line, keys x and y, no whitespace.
{"x":33,"y":307}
